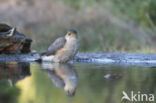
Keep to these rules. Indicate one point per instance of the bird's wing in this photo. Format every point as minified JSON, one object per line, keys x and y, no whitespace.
{"x":56,"y":45}
{"x":55,"y":79}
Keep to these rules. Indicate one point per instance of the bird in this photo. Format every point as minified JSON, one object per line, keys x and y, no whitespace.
{"x":63,"y":49}
{"x":63,"y":75}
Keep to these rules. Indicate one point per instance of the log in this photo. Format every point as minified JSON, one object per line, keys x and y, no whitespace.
{"x":11,"y":41}
{"x":124,"y":59}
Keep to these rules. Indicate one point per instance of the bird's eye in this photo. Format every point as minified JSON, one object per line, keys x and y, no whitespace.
{"x":69,"y":34}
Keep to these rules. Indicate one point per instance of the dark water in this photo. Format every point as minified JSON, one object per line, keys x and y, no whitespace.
{"x":78,"y":83}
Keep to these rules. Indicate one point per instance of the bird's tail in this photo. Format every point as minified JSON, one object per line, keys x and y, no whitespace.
{"x":40,"y":59}
{"x":42,"y":54}
{"x":48,"y":58}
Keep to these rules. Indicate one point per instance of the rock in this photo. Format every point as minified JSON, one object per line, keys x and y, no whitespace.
{"x":11,"y":41}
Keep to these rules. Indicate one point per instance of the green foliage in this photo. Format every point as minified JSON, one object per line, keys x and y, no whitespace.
{"x":152,"y":11}
{"x":134,"y":9}
{"x":80,"y":4}
{"x":103,"y":25}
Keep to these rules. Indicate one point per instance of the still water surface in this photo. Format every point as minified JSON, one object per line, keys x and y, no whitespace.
{"x":72,"y":83}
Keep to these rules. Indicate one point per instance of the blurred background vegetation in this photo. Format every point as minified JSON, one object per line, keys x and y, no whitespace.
{"x":103,"y":25}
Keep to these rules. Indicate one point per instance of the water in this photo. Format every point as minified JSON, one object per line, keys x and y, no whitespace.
{"x":73,"y":83}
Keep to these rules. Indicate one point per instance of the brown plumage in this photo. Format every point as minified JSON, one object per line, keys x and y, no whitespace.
{"x":63,"y":75}
{"x":63,"y":48}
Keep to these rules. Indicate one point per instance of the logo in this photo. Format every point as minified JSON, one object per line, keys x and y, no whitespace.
{"x":134,"y":97}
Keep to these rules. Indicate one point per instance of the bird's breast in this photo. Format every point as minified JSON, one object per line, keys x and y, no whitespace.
{"x":69,"y":50}
{"x":64,"y":54}
{"x":71,"y":46}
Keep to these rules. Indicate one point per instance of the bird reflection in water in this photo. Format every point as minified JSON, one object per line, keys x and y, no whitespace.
{"x":63,"y":76}
{"x":13,"y":71}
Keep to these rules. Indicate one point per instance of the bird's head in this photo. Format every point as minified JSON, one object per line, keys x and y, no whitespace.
{"x":70,"y":92}
{"x":70,"y":88}
{"x":71,"y":34}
